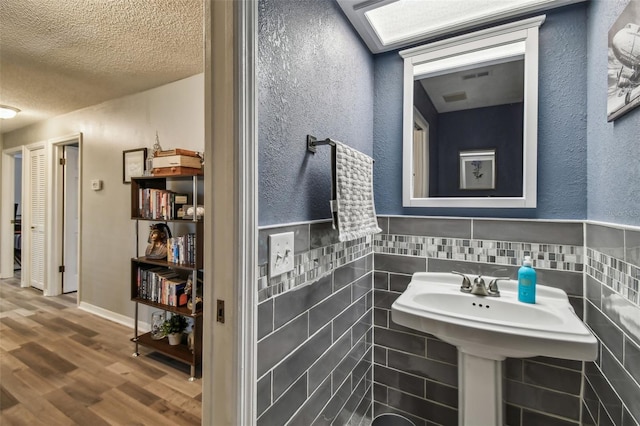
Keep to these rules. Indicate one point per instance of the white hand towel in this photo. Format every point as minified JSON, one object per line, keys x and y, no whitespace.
{"x":356,"y":213}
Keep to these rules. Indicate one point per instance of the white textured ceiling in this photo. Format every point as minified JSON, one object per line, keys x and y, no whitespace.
{"x":485,"y":86}
{"x":58,"y":56}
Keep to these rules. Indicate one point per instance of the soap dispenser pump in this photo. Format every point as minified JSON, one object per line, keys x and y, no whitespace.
{"x":527,"y":282}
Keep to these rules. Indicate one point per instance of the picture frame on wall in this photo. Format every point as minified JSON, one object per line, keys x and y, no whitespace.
{"x":478,"y":169}
{"x":623,"y":71}
{"x":133,"y":161}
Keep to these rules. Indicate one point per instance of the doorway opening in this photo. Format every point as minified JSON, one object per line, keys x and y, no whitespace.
{"x":70,"y":217}
{"x":17,"y":216}
{"x":12,"y":223}
{"x":66,"y":220}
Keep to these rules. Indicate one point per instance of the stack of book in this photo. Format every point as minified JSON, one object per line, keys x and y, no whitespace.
{"x":160,"y":204}
{"x":160,"y":285}
{"x":182,"y":249}
{"x":175,"y":162}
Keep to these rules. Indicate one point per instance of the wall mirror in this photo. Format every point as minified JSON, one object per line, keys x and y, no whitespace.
{"x":470,"y":117}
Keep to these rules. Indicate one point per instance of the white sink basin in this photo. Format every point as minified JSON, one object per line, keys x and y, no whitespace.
{"x":494,"y":327}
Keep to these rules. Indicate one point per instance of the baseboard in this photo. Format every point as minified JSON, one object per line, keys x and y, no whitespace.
{"x":113,"y":316}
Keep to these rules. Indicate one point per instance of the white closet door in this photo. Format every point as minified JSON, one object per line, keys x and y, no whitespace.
{"x":70,"y":246}
{"x":37,"y":198}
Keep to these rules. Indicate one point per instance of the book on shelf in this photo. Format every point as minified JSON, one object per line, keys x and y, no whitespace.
{"x":182,"y":249}
{"x":176,"y":151}
{"x":159,"y":204}
{"x":160,"y":285}
{"x":177,"y":161}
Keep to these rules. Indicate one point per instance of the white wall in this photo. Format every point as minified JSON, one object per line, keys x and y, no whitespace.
{"x":176,"y":111}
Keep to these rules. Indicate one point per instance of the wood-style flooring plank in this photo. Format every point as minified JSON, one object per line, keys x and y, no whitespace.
{"x":42,"y":360}
{"x":52,"y":303}
{"x":38,"y":383}
{"x":141,"y":395}
{"x":175,"y":414}
{"x":39,"y":407}
{"x":175,"y":397}
{"x":6,"y":399}
{"x":191,"y":389}
{"x":19,"y":327}
{"x":130,"y":373}
{"x":118,"y":408}
{"x":142,"y":365}
{"x":60,"y":365}
{"x":13,"y":337}
{"x":24,"y":305}
{"x":7,"y":361}
{"x":49,"y":321}
{"x":98,"y":380}
{"x":72,"y":326}
{"x":20,"y":416}
{"x":74,"y":409}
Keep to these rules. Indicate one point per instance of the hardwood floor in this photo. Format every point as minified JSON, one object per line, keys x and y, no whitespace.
{"x":60,"y":365}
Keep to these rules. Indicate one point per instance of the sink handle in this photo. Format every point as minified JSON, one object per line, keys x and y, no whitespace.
{"x":466,"y":282}
{"x":493,"y":286}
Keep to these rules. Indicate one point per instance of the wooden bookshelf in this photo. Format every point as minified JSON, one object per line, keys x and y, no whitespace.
{"x":148,"y":293}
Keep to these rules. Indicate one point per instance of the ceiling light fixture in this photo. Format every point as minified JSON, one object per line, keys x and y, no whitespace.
{"x":407,"y":19}
{"x":7,"y":112}
{"x":391,"y":24}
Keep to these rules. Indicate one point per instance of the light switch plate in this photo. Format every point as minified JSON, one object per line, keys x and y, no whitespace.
{"x":280,"y":253}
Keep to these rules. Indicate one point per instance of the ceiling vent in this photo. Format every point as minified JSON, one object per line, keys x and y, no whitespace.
{"x":455,"y":97}
{"x":475,"y":75}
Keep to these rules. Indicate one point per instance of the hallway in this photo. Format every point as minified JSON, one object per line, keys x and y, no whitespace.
{"x":60,"y":365}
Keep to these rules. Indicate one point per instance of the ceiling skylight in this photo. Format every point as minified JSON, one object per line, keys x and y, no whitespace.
{"x":390,"y":24}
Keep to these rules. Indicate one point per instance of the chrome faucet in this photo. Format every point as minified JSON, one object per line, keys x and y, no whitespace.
{"x":479,"y":287}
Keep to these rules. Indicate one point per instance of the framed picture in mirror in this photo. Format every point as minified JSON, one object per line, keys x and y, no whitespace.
{"x":478,"y":169}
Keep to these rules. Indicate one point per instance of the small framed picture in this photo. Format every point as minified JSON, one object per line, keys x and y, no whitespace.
{"x":478,"y":169}
{"x":133,"y":163}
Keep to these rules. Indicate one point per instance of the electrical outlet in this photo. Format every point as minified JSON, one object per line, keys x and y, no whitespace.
{"x":280,"y":253}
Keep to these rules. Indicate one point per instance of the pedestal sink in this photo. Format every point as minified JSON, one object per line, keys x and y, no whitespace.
{"x":486,"y":330}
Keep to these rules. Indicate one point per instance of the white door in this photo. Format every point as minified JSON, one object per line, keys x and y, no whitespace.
{"x":70,"y":214}
{"x":418,"y":164}
{"x":37,"y":216}
{"x":420,"y":155}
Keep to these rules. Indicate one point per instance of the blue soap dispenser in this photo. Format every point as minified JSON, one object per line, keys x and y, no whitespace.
{"x":527,"y":282}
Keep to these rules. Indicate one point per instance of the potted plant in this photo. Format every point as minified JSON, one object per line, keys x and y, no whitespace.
{"x":173,"y":328}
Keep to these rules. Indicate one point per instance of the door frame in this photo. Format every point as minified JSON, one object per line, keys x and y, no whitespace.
{"x":231,"y":231}
{"x":56,"y":189}
{"x":6,"y":211}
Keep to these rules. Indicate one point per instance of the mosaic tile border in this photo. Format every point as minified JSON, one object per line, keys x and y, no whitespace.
{"x":311,"y":265}
{"x":618,"y":275}
{"x":560,"y":257}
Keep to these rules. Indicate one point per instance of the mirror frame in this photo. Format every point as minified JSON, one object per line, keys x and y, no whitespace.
{"x":516,"y":38}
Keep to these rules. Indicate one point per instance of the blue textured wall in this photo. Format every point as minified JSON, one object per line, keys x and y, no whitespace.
{"x":614,"y":148}
{"x":562,"y":155}
{"x":496,"y":127}
{"x":315,"y":76}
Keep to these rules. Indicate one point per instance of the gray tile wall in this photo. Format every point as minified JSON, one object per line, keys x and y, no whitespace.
{"x":315,"y":331}
{"x":415,"y":374}
{"x":612,"y":383}
{"x":320,"y":361}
